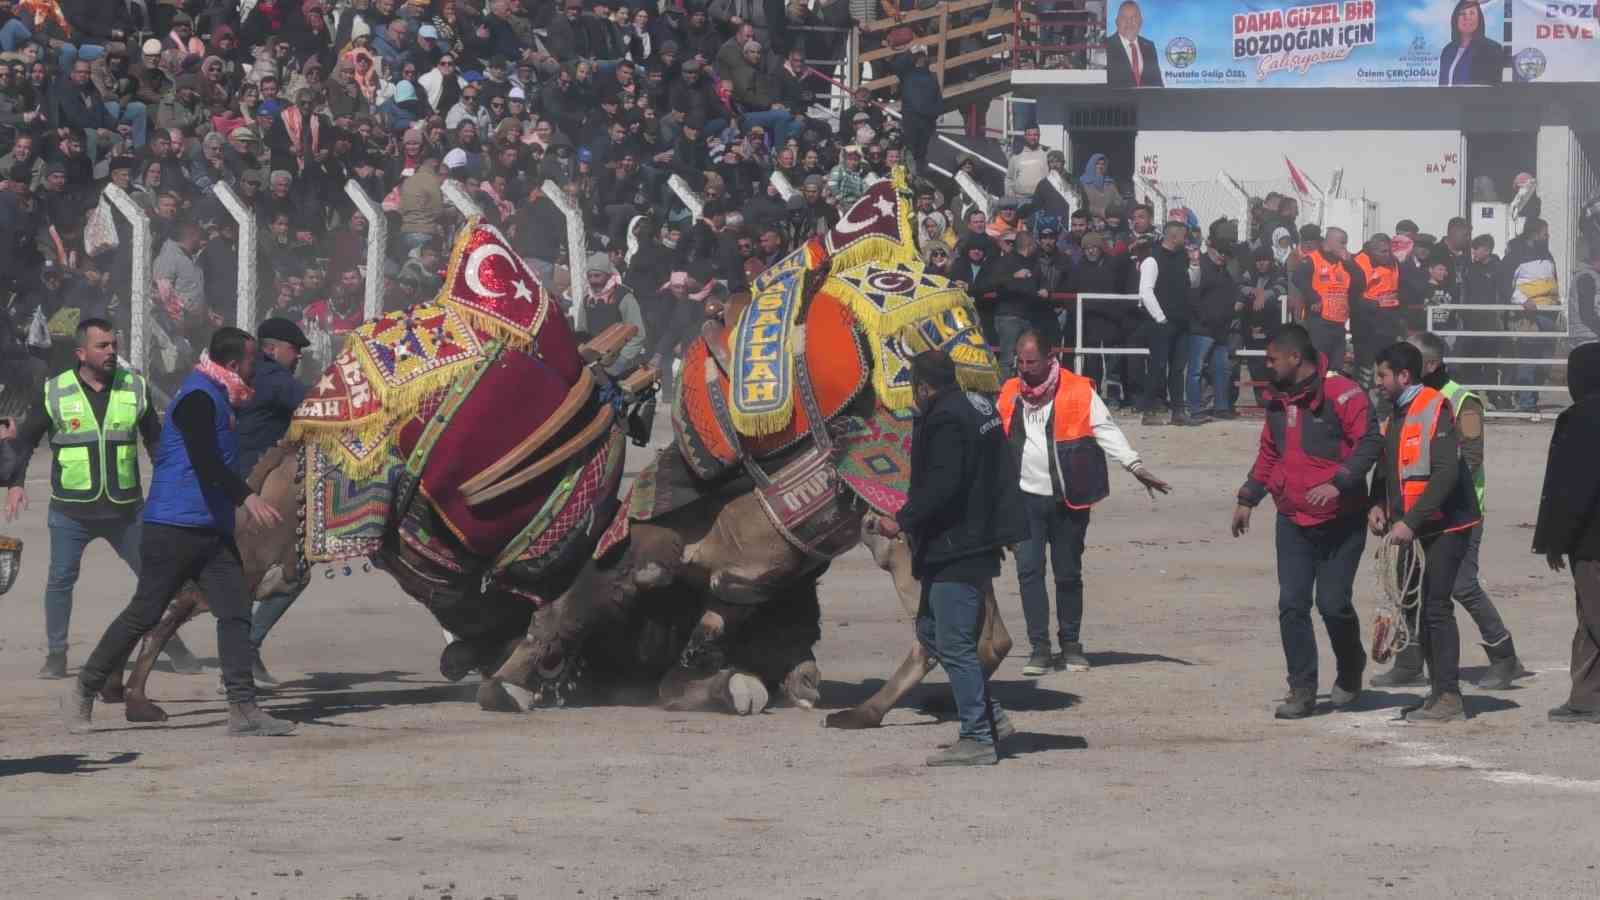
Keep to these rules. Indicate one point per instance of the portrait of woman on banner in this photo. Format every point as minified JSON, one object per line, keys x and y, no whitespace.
{"x":1470,"y":57}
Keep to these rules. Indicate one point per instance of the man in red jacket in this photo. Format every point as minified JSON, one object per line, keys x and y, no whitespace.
{"x":1319,"y":442}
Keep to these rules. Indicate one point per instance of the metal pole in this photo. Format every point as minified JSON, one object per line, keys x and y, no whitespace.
{"x":785,"y":189}
{"x":1077,"y":358}
{"x":690,"y":199}
{"x":1149,"y":187}
{"x":139,"y":290}
{"x":457,"y":196}
{"x":577,"y":253}
{"x":245,"y":315}
{"x":975,"y":192}
{"x":1243,"y":197}
{"x":377,"y":246}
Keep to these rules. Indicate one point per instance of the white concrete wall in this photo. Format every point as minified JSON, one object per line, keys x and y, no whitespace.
{"x":1409,"y":174}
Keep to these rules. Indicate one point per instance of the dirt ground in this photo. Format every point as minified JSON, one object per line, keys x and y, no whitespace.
{"x":1159,"y":773}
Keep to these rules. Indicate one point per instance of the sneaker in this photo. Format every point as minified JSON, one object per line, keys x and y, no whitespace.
{"x":1439,"y":710}
{"x":77,"y":708}
{"x":55,"y":667}
{"x":965,"y":753}
{"x":258,"y":671}
{"x":251,"y":720}
{"x":1038,"y":663}
{"x":1072,"y":658}
{"x":1003,"y":727}
{"x":1571,"y":715}
{"x":1298,"y":705}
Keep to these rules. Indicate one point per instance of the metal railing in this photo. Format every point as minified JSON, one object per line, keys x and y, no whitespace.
{"x":1556,"y":360}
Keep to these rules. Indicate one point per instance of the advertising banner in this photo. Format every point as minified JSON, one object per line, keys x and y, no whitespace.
{"x":1555,"y":41}
{"x":1351,"y":43}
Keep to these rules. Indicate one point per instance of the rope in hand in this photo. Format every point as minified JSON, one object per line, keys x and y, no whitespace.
{"x":1397,"y":621}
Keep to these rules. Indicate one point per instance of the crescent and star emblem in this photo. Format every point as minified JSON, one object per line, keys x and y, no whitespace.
{"x":474,"y":269}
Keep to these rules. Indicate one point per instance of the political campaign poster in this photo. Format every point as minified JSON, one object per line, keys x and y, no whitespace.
{"x":1350,"y":43}
{"x":1555,"y":41}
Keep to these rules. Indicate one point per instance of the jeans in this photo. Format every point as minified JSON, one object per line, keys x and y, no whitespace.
{"x":780,"y":122}
{"x":1006,"y":331}
{"x":172,"y":556}
{"x":1203,"y":350}
{"x":68,"y":538}
{"x":1319,"y":562}
{"x":86,"y":52}
{"x":267,"y":614}
{"x":1165,"y":365}
{"x":1062,"y":529}
{"x":1441,"y":641}
{"x":13,"y":34}
{"x":1527,"y":376}
{"x":949,"y":623}
{"x":135,"y":115}
{"x":1469,"y":592}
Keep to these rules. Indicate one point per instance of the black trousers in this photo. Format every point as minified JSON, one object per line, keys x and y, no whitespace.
{"x":1441,"y":641}
{"x":168,"y":557}
{"x":918,"y":134}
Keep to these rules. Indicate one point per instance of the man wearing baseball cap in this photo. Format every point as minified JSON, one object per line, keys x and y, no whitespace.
{"x":262,"y":423}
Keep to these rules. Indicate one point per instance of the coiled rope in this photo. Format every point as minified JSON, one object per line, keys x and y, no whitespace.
{"x":1399,"y":575}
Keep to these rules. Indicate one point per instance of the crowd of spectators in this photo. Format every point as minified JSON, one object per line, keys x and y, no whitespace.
{"x":287,"y":101}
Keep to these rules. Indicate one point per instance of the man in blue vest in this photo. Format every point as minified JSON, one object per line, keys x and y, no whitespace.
{"x":195,"y":490}
{"x":92,"y":414}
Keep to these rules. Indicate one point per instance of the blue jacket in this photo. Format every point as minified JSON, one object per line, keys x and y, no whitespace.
{"x":919,"y":88}
{"x":263,"y":422}
{"x":177,"y":496}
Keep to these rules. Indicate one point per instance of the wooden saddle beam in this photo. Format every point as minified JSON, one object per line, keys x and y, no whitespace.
{"x":560,"y":455}
{"x":575,"y":400}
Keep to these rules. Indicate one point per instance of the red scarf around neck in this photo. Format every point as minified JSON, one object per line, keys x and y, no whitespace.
{"x":239,"y":393}
{"x":1046,"y":390}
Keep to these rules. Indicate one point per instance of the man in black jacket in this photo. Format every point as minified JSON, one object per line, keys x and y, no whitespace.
{"x":921,"y":100}
{"x":1568,"y":529}
{"x":960,"y":511}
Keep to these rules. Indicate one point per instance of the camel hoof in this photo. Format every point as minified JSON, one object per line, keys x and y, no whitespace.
{"x":493,"y":697}
{"x":113,"y":693}
{"x":852,"y":720}
{"x":800,"y":685}
{"x":144,"y":711}
{"x":745,"y":694}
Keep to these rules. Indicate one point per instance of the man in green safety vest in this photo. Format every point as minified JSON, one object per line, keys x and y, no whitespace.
{"x":93,"y":414}
{"x":1504,"y":666}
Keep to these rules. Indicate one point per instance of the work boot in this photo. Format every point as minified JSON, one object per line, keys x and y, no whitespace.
{"x":1038,"y":662}
{"x":1439,"y":710}
{"x":1406,"y":672}
{"x":183,"y":662}
{"x":258,"y":671}
{"x":1568,"y":714}
{"x":55,"y":666}
{"x":250,"y":719}
{"x":1072,"y":658}
{"x":1298,"y":705}
{"x":965,"y":753}
{"x":1150,"y":419}
{"x":1186,"y":421}
{"x":1504,"y":666}
{"x":77,"y":707}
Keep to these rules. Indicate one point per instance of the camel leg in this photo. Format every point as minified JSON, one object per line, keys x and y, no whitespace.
{"x":703,"y":680}
{"x":993,"y":644}
{"x":184,"y":607}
